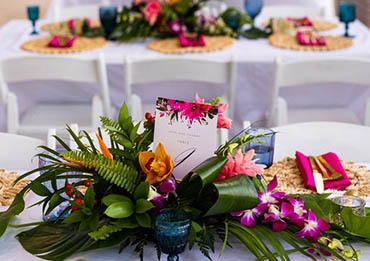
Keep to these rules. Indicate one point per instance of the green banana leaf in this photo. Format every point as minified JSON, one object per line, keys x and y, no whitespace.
{"x":356,"y":225}
{"x":235,"y":194}
{"x":14,"y":209}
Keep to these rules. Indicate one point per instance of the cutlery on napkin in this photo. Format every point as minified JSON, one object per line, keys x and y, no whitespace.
{"x":326,"y":164}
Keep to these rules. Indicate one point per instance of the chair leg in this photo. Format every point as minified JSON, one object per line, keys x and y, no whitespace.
{"x":282,"y":112}
{"x":12,"y":113}
{"x":96,"y":112}
{"x":367,"y":112}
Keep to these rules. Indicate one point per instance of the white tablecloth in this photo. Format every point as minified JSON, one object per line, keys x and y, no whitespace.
{"x":11,"y":250}
{"x":254,"y":76}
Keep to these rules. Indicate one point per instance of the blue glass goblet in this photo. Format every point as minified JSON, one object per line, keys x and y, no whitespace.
{"x":263,"y":145}
{"x":172,"y":229}
{"x":33,"y":15}
{"x":347,"y":14}
{"x":108,"y":19}
{"x":253,"y":8}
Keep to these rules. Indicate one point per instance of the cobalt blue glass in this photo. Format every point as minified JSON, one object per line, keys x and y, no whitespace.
{"x":172,"y":229}
{"x":347,"y":14}
{"x":263,"y":145}
{"x":108,"y":19}
{"x":253,"y":8}
{"x":33,"y":15}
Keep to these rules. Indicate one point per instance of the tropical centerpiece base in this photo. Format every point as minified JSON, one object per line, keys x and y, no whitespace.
{"x":131,"y":198}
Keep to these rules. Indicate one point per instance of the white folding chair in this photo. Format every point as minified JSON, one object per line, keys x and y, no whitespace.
{"x":62,"y":13}
{"x":349,"y":141}
{"x":144,"y":71}
{"x":311,"y":71}
{"x":39,"y":118}
{"x":18,"y":152}
{"x":275,"y":11}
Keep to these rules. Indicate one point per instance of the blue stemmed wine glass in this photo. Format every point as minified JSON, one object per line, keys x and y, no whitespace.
{"x":253,"y":8}
{"x":33,"y":15}
{"x":347,"y":14}
{"x":172,"y":229}
{"x":263,"y":145}
{"x":108,"y":19}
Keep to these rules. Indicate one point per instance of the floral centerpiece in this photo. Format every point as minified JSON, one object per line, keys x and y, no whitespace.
{"x":169,"y":18}
{"x":122,"y":186}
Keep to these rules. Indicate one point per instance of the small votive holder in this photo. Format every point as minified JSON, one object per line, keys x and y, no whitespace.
{"x":339,"y":203}
{"x":172,"y":229}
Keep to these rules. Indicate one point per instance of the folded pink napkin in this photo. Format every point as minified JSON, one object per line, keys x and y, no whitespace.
{"x":305,"y":38}
{"x":332,"y":159}
{"x":59,"y":41}
{"x":193,"y":41}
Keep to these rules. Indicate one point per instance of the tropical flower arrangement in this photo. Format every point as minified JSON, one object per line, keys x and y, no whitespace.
{"x":171,"y":18}
{"x":122,"y":185}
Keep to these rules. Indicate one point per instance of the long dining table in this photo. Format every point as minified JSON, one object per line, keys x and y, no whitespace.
{"x":255,"y":74}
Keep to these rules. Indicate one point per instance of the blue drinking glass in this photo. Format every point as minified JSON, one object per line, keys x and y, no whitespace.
{"x":263,"y":145}
{"x":253,"y":8}
{"x":108,"y":19}
{"x":172,"y":229}
{"x":33,"y":15}
{"x":347,"y":14}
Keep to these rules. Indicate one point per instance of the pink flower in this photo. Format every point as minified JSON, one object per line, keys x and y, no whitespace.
{"x":72,"y":23}
{"x":277,"y":216}
{"x":137,"y":2}
{"x":89,"y":22}
{"x":198,"y":99}
{"x":240,"y":165}
{"x":270,"y":197}
{"x":168,"y":186}
{"x":223,"y":122}
{"x":313,"y":227}
{"x":175,"y":105}
{"x":151,"y":11}
{"x":248,"y":217}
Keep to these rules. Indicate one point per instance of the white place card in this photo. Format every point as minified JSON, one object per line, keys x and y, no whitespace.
{"x":188,"y":132}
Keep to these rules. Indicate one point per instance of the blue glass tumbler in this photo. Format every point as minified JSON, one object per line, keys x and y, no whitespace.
{"x":253,"y":8}
{"x":347,"y":14}
{"x":108,"y":19}
{"x":263,"y":145}
{"x":33,"y":15}
{"x":172,"y":229}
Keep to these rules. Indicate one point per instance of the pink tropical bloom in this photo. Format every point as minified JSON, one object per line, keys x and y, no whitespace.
{"x":248,"y":217}
{"x":175,"y":105}
{"x":198,"y":99}
{"x":240,"y":165}
{"x":194,"y":112}
{"x":223,"y":122}
{"x":151,"y":11}
{"x":300,"y":213}
{"x":276,"y":216}
{"x":72,"y":23}
{"x":176,"y":27}
{"x":168,"y":186}
{"x":89,"y":22}
{"x":313,"y":228}
{"x":270,"y":197}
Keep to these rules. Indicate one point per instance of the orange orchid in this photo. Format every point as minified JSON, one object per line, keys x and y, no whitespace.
{"x":157,"y":166}
{"x":171,"y":2}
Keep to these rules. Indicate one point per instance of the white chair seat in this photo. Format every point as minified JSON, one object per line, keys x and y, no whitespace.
{"x":332,"y":114}
{"x":349,"y":141}
{"x":56,"y":115}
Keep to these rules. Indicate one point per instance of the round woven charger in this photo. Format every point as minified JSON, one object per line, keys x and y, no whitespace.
{"x":290,"y":42}
{"x":320,"y":25}
{"x":65,"y":26}
{"x":172,"y":45}
{"x":80,"y":45}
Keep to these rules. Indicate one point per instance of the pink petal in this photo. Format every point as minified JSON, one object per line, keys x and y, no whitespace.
{"x":323,"y":225}
{"x":311,"y":216}
{"x":279,"y":226}
{"x":272,"y":185}
{"x":222,"y":107}
{"x":248,"y":219}
{"x":167,"y":186}
{"x":270,"y":217}
{"x":278,"y":195}
{"x":287,"y":209}
{"x":237,"y":214}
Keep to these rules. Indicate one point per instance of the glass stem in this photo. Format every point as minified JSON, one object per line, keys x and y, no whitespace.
{"x":173,"y":257}
{"x":347,"y":30}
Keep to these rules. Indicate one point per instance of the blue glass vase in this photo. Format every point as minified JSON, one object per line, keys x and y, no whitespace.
{"x":172,"y":229}
{"x":108,"y":19}
{"x":33,"y":15}
{"x":253,"y":8}
{"x":347,"y":14}
{"x":263,"y":145}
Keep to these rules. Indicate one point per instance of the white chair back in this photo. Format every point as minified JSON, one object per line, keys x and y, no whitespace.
{"x":144,"y":71}
{"x":63,"y":13}
{"x":72,"y":69}
{"x":349,"y":141}
{"x":275,"y":11}
{"x":18,"y":152}
{"x":318,"y":70}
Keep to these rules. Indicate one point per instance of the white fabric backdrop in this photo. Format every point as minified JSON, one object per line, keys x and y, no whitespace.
{"x":254,"y":76}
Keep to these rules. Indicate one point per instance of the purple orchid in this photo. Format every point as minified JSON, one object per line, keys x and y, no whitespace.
{"x":313,"y":228}
{"x":176,"y":26}
{"x":276,"y":216}
{"x":248,"y":217}
{"x":269,"y":198}
{"x":300,"y":212}
{"x":168,"y":186}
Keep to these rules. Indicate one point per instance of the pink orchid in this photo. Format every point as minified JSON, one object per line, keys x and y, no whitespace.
{"x":300,"y":213}
{"x":223,"y":122}
{"x":248,"y":216}
{"x":151,"y":11}
{"x":168,"y":186}
{"x":269,"y":198}
{"x":241,"y":165}
{"x":313,"y":227}
{"x":277,"y":216}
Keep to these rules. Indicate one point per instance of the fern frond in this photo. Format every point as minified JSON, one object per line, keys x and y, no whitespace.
{"x":115,"y":172}
{"x":116,"y":132}
{"x":105,"y":231}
